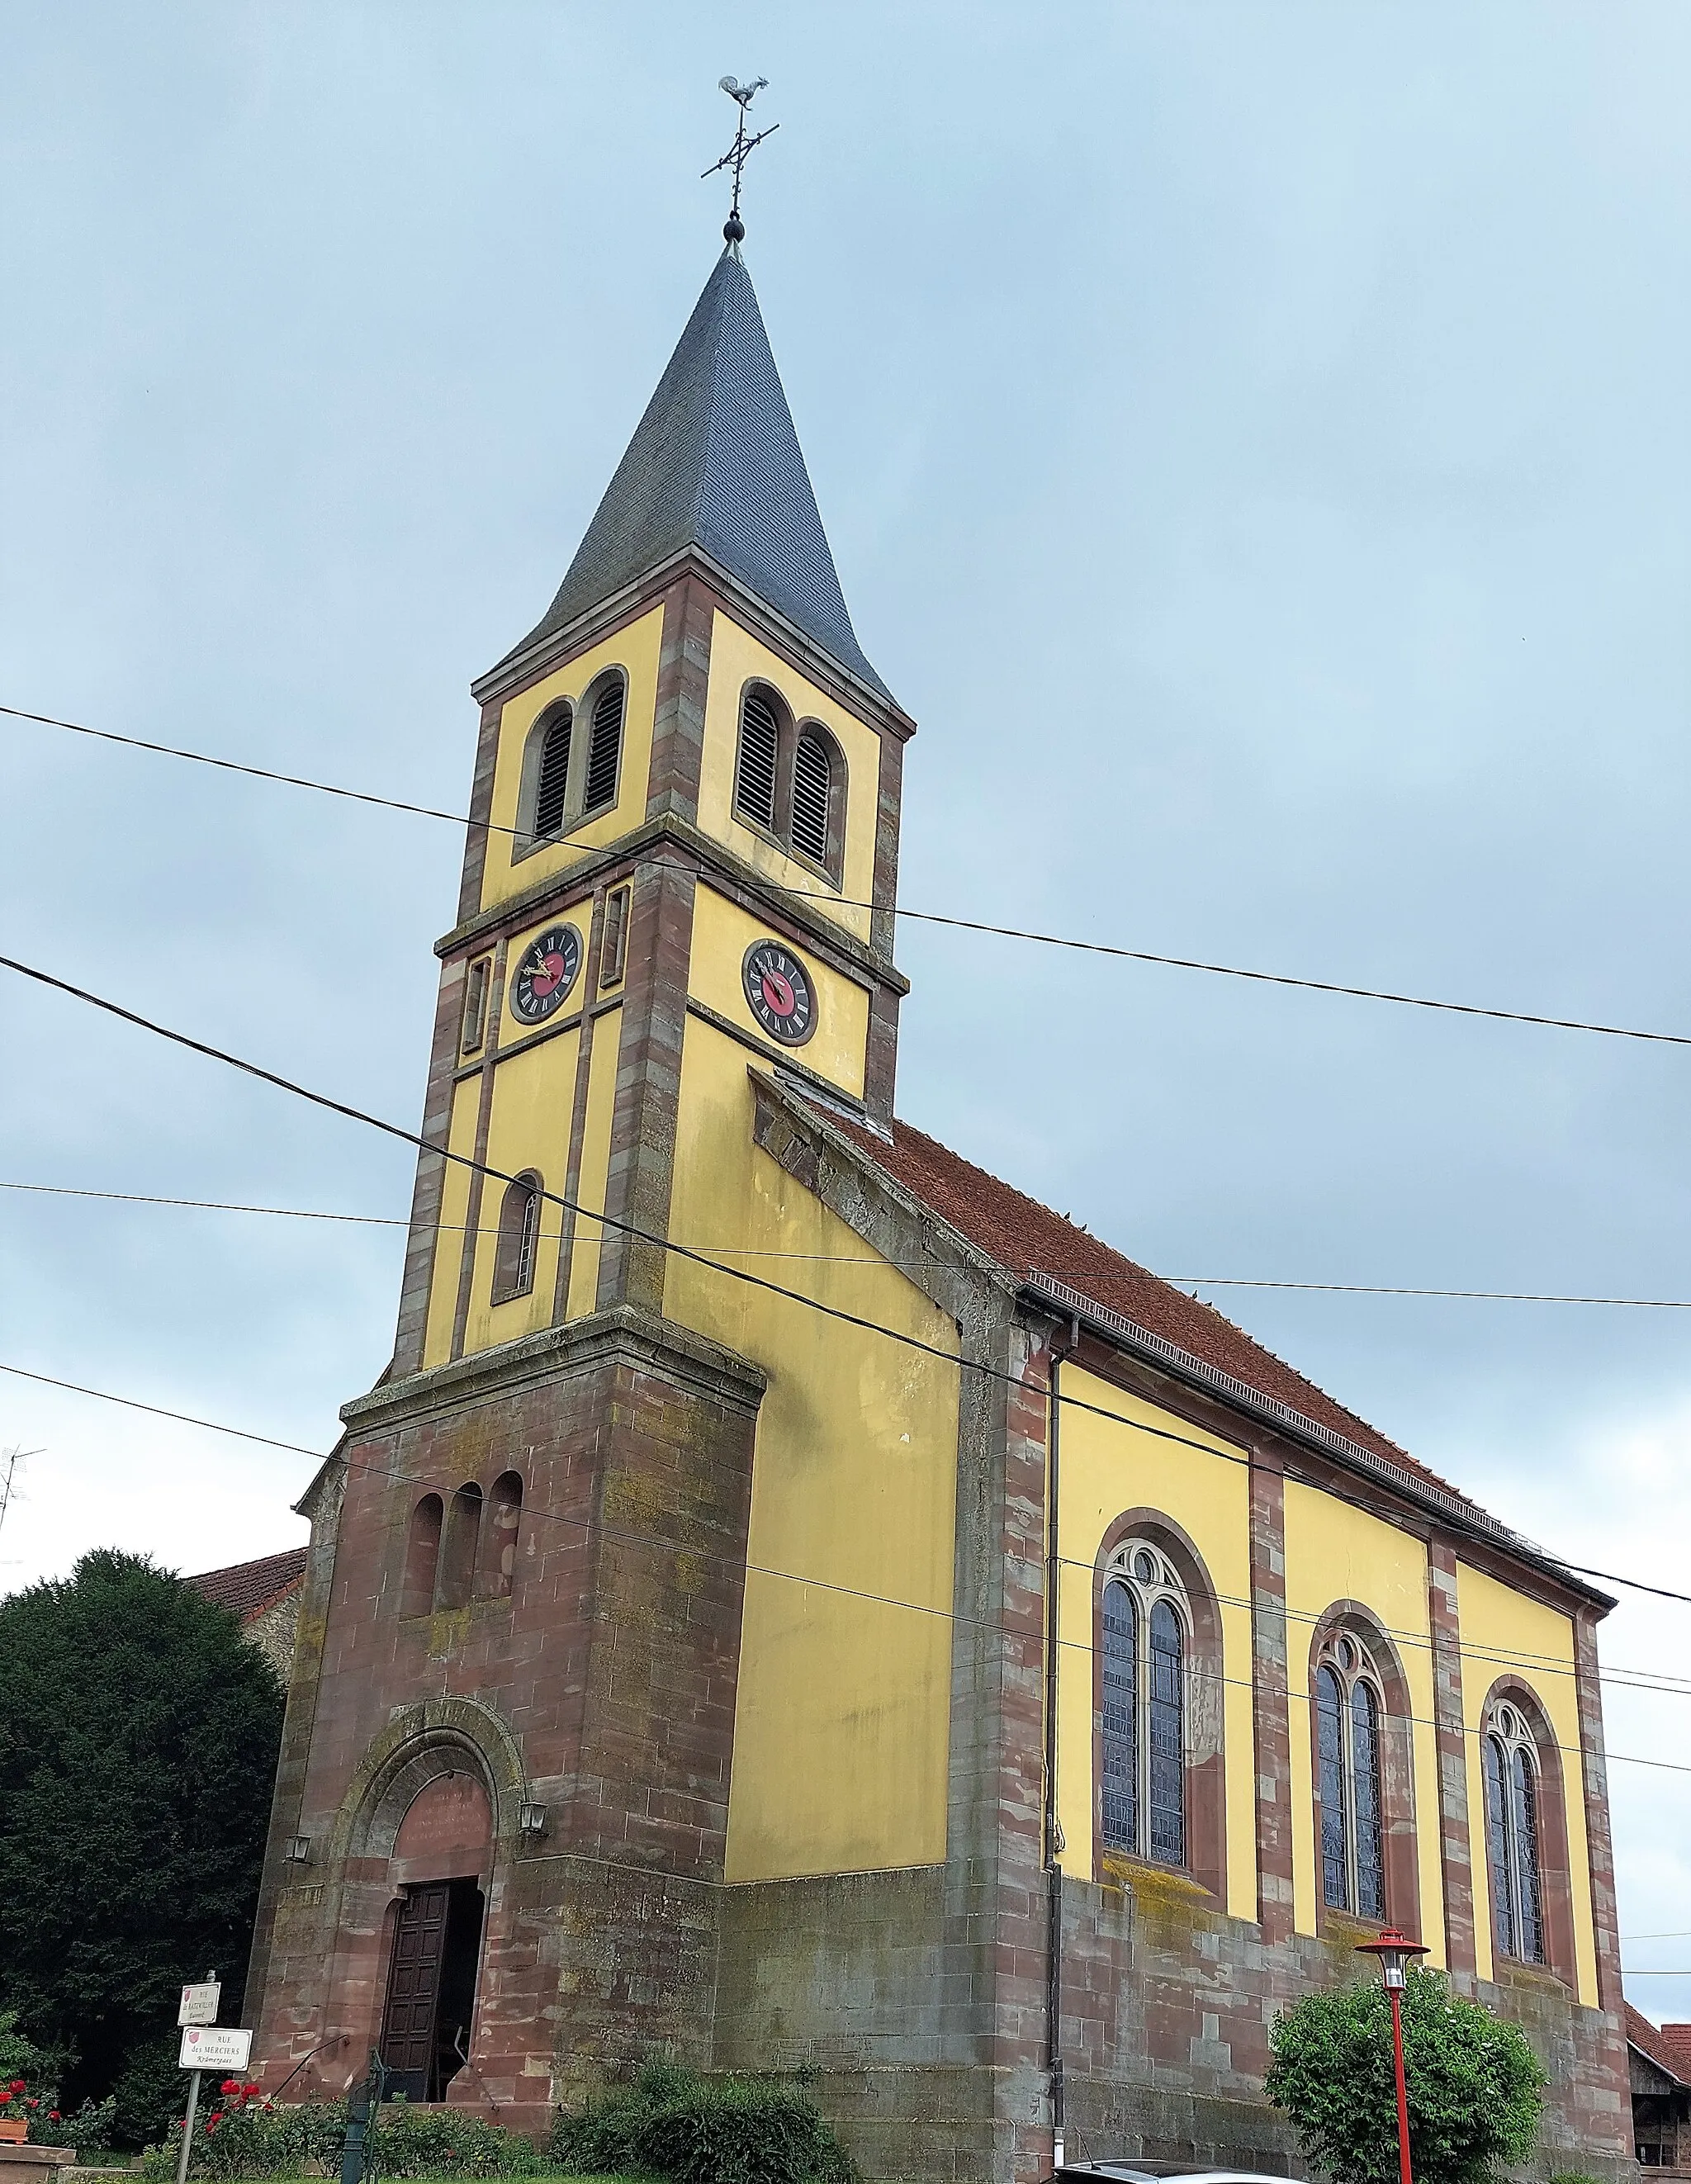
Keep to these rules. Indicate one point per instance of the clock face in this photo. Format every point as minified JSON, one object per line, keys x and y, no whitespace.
{"x":778,"y":992}
{"x":545,"y":973}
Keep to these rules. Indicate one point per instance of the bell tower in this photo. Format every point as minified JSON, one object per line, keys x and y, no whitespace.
{"x":688,"y":756}
{"x":529,"y":1550}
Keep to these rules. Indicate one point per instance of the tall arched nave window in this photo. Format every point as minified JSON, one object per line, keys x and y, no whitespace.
{"x":1350,"y":1707}
{"x":1147,"y":1627}
{"x":1513,"y":1806}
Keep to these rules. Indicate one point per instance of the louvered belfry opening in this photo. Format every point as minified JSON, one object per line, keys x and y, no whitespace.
{"x":759,"y":750}
{"x":813,"y":785}
{"x":604,"y":749}
{"x":553,"y":785}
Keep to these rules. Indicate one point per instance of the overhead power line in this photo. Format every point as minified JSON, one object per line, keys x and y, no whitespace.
{"x":920,"y":917}
{"x":653,"y":1241}
{"x":635,"y":1536}
{"x":866,"y":1259}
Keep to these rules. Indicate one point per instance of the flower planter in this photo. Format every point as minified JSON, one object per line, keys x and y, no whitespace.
{"x":13,"y":2129}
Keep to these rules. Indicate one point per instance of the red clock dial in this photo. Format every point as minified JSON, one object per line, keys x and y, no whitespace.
{"x":779,"y":993}
{"x":546,"y":970}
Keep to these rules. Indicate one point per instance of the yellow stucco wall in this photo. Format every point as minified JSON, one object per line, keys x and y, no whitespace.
{"x":634,"y":650}
{"x":734,"y":658}
{"x":1503,"y":1633}
{"x":1336,"y":1551}
{"x":1106,"y":1470}
{"x":584,"y":1263}
{"x":721,"y":933}
{"x":467,"y":1100}
{"x":528,"y":1128}
{"x":841,"y":1728}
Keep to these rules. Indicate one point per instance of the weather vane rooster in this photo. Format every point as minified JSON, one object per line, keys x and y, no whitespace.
{"x":741,"y":150}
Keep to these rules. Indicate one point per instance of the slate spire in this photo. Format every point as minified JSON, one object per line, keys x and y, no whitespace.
{"x":715,"y":463}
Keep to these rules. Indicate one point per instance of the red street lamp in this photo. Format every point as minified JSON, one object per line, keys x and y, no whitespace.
{"x":1394,"y":1951}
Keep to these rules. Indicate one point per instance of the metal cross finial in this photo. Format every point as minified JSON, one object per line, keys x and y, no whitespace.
{"x":742,"y":94}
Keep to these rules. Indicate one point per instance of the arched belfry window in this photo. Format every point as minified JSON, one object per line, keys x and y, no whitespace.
{"x":1147,"y":1627}
{"x":552,"y":786}
{"x":789,"y":780}
{"x":813,"y":794}
{"x":604,"y":748}
{"x":759,"y":757}
{"x":514,"y":1249}
{"x":572,"y":764}
{"x":1514,"y":1806}
{"x":1350,"y":1710}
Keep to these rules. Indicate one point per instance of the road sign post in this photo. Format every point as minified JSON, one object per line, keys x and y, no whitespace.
{"x":198,"y":2007}
{"x":206,"y":2046}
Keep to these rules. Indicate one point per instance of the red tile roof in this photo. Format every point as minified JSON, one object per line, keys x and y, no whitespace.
{"x":1672,"y":2056}
{"x":1022,"y":1236}
{"x":249,"y":1588}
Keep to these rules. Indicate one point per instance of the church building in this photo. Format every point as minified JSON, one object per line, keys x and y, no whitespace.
{"x":792,"y":1601}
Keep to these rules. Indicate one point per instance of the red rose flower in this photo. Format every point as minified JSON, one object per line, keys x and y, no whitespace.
{"x":229,"y":2085}
{"x":54,"y":2116}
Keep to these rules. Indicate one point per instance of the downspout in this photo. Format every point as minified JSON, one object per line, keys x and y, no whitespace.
{"x":1060,"y":1351}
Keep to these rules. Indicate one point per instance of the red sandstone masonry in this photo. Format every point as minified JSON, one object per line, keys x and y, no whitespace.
{"x":1456,"y":1846}
{"x":1272,"y":1723}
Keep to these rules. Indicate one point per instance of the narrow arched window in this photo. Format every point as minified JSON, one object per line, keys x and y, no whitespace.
{"x":1353,"y":1834}
{"x":552,"y":782}
{"x":459,"y":1547}
{"x":813,"y":795}
{"x":1512,"y":1845}
{"x":514,"y":1249}
{"x":1144,"y":1733}
{"x":422,"y":1557}
{"x":604,"y":749}
{"x":756,"y":766}
{"x":497,"y":1565}
{"x":1120,"y":1713}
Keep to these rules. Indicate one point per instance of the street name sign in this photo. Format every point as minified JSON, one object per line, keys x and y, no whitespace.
{"x":214,"y":2047}
{"x":199,"y":2003}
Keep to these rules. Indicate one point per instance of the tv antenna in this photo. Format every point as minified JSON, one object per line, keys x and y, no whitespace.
{"x":741,"y":150}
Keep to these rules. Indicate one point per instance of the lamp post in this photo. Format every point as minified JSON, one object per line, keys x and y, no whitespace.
{"x":1394,"y":1950}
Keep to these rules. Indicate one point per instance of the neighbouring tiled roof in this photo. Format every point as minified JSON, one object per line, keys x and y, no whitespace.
{"x":249,"y":1588}
{"x":715,"y":463}
{"x":1673,"y":2056}
{"x":1023,"y":1237}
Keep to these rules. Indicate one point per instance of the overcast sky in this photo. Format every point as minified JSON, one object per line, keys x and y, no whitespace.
{"x":1254,"y":442}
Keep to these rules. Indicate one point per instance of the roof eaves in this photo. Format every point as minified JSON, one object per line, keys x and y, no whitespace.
{"x":1451,"y":1508}
{"x":1648,"y":2039}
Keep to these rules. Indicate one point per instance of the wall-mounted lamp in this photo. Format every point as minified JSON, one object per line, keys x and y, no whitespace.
{"x":532,"y":1819}
{"x":298,"y":1850}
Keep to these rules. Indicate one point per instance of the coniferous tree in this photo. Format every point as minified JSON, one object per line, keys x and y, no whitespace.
{"x":138,"y":1742}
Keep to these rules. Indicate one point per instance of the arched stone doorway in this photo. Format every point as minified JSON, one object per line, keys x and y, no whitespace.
{"x":439,"y":1867}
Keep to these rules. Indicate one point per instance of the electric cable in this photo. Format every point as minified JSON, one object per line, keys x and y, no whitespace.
{"x":633,"y":1536}
{"x":919,"y":917}
{"x":647,"y":1237}
{"x":876,"y":1259}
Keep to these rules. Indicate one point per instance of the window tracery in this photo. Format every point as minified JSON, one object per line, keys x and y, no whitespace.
{"x":1350,"y":1710}
{"x":1509,"y":1752}
{"x":1147,"y":1627}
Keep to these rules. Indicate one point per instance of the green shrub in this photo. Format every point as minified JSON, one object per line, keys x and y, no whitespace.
{"x":1475,"y":2087}
{"x":704,"y":2131}
{"x":240,"y":2135}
